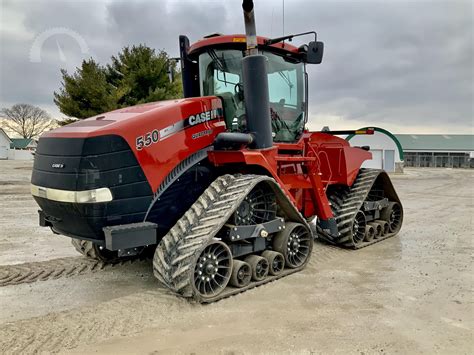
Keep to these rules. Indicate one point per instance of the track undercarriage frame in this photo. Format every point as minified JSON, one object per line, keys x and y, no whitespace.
{"x":302,"y":179}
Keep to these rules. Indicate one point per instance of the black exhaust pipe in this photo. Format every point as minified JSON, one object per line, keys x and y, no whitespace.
{"x":255,"y":83}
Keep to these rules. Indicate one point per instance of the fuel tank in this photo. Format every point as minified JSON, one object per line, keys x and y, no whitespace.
{"x":105,"y":170}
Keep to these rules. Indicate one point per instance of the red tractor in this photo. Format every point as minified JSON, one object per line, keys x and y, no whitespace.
{"x":219,"y":185}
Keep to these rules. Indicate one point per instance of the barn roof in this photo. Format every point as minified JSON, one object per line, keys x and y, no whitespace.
{"x":20,"y":143}
{"x":437,"y":142}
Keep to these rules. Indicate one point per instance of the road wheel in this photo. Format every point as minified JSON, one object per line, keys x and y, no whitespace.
{"x":241,"y":274}
{"x":378,"y":229}
{"x":276,"y":262}
{"x":384,"y":225}
{"x":259,"y":267}
{"x":369,"y":233}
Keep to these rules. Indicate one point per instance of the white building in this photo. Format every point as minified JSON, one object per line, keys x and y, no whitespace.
{"x":16,"y":148}
{"x":387,"y":152}
{"x":4,"y":144}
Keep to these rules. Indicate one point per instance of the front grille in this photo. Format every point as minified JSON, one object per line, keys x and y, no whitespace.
{"x":89,"y":163}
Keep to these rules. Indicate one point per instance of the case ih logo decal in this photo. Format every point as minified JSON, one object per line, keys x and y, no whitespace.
{"x":155,"y":136}
{"x":204,"y":117}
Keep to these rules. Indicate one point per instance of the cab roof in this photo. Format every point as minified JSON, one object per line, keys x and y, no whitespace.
{"x":238,"y":40}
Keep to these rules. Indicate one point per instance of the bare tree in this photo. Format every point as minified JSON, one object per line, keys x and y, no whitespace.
{"x":27,"y":120}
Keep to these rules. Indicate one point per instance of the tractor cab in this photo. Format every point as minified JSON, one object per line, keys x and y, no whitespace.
{"x":213,"y":67}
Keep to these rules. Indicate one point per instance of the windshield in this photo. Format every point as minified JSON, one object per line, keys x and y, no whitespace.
{"x":220,"y":75}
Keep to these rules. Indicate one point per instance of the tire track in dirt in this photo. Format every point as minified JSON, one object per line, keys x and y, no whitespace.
{"x":57,"y":332}
{"x":53,"y":333}
{"x":55,"y":269}
{"x":73,"y":266}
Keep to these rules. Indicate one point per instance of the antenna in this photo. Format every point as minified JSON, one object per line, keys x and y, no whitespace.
{"x":283,"y":18}
{"x":271,"y":24}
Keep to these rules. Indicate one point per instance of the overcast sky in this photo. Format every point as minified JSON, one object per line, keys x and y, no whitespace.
{"x":403,"y":65}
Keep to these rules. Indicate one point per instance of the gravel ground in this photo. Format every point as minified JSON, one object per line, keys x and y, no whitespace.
{"x":408,"y":294}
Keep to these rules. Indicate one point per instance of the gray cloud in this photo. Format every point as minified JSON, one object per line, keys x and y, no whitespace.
{"x":399,"y":64}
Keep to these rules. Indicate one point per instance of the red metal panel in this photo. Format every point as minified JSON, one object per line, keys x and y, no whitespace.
{"x":238,"y":38}
{"x":177,"y":137}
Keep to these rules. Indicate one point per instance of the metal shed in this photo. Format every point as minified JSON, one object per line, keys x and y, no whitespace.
{"x":387,"y":152}
{"x":438,"y":150}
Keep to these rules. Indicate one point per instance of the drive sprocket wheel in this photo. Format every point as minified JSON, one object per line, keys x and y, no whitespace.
{"x":259,"y":206}
{"x":212,"y":269}
{"x":94,"y":251}
{"x":295,"y":243}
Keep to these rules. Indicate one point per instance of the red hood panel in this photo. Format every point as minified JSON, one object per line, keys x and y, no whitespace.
{"x":160,"y":134}
{"x":164,"y":111}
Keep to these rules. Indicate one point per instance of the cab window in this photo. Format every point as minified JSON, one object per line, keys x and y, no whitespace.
{"x":220,"y":75}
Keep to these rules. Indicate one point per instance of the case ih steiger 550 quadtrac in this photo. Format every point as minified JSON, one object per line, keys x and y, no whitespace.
{"x":221,"y":184}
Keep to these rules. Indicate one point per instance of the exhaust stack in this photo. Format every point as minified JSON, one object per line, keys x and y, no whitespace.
{"x":255,"y":83}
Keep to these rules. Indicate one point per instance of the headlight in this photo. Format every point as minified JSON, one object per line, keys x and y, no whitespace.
{"x":88,"y":196}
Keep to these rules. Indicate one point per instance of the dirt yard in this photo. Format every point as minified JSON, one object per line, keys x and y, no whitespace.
{"x":408,"y":294}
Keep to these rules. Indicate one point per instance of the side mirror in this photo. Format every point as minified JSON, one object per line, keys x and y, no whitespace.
{"x":171,"y":72}
{"x":315,"y":52}
{"x":171,"y":68}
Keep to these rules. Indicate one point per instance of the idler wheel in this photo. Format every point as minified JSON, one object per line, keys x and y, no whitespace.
{"x":393,"y":214}
{"x":359,"y":225}
{"x":294,"y":243}
{"x":212,"y":269}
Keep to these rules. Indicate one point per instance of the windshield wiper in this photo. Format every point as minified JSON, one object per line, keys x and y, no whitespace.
{"x":269,"y":42}
{"x":287,"y":80}
{"x":218,"y":62}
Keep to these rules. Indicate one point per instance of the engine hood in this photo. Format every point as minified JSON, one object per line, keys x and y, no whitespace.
{"x":159,"y":134}
{"x":161,"y":113}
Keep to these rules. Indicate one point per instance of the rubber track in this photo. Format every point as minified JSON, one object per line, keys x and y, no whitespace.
{"x":176,"y":253}
{"x":86,"y":248}
{"x":347,"y":202}
{"x":54,"y":269}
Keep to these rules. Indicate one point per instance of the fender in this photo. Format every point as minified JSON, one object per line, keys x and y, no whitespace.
{"x":179,"y":190}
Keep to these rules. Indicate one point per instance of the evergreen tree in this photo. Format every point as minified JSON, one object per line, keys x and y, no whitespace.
{"x":142,"y":75}
{"x":85,"y":93}
{"x":136,"y":75}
